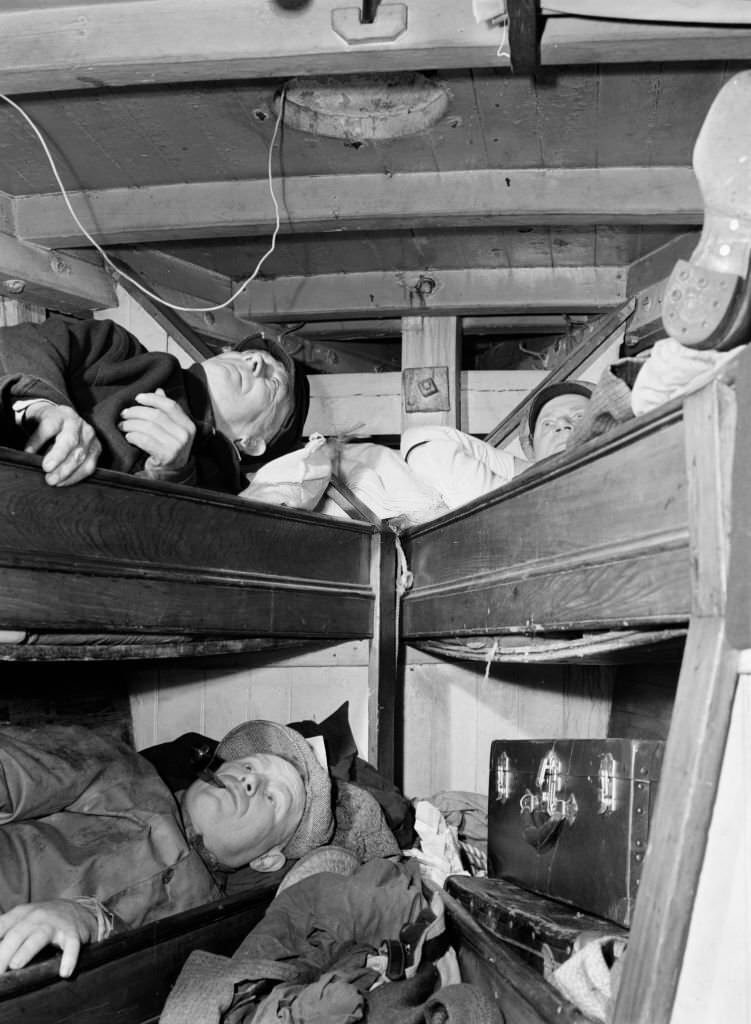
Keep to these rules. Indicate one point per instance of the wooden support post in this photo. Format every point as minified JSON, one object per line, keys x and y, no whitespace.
{"x":431,"y":365}
{"x":385,"y":697}
{"x":699,"y":727}
{"x":168,"y":319}
{"x":13,"y":312}
{"x":524,"y":36}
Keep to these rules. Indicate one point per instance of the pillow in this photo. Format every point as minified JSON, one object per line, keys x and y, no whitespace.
{"x":297,"y":480}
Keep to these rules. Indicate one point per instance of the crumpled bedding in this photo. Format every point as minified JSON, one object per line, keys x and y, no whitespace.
{"x":326,"y":924}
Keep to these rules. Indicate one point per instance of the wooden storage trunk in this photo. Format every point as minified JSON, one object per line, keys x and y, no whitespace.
{"x":570,"y":818}
{"x":542,"y":930}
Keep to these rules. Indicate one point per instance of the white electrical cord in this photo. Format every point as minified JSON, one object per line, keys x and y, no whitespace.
{"x":122,"y":273}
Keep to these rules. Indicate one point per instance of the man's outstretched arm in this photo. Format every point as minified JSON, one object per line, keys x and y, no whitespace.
{"x":68,"y":924}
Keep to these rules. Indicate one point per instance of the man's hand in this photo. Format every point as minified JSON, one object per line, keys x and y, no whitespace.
{"x":159,"y":427}
{"x":28,"y":928}
{"x":75,"y":449}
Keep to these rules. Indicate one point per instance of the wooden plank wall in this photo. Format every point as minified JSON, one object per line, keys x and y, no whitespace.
{"x":211,"y":696}
{"x":453,"y":711}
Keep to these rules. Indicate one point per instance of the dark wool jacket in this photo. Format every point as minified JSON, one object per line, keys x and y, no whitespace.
{"x":97,"y":368}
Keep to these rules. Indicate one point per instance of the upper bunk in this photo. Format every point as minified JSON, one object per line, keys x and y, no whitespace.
{"x":591,"y":554}
{"x":529,"y":198}
{"x":161,"y":570}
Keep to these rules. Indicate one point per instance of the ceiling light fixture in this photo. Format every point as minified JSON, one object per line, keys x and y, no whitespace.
{"x":364,"y":107}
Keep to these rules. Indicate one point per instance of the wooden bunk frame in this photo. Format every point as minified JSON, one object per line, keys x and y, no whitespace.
{"x":117,"y":554}
{"x":621,"y":542}
{"x":618,"y":545}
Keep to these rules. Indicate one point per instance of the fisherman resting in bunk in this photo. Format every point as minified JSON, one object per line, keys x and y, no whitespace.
{"x":86,"y":393}
{"x":93,"y":840}
{"x":706,"y":314}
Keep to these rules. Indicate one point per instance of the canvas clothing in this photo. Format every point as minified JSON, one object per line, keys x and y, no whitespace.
{"x":322,"y":930}
{"x":460,"y":467}
{"x":97,"y":368}
{"x":85,"y":815}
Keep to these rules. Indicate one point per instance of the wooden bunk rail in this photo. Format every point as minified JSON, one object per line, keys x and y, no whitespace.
{"x":596,"y":538}
{"x":127,"y":978}
{"x":116,"y":553}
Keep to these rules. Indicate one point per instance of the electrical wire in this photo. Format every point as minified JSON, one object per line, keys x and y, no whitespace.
{"x":122,"y":273}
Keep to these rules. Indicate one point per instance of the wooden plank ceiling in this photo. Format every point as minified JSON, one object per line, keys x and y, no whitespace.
{"x":532,"y":195}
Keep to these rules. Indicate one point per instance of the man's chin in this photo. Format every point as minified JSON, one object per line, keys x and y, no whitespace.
{"x":555,"y":450}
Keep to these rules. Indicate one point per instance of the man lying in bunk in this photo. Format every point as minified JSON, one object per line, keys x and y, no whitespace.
{"x":92,"y":839}
{"x":86,"y":393}
{"x":461,"y":467}
{"x":560,"y":417}
{"x":439,"y":468}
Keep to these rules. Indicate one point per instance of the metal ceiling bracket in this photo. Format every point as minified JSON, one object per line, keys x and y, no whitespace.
{"x":389,"y":23}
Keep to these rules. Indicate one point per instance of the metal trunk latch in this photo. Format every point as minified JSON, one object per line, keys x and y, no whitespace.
{"x":548,"y":782}
{"x":503,"y":778}
{"x":606,"y":775}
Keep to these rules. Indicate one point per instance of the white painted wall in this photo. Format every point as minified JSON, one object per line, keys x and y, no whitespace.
{"x":135,"y":319}
{"x":715,"y":979}
{"x":453,"y":711}
{"x":213,"y":695}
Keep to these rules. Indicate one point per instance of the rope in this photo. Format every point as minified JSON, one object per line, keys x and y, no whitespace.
{"x":491,"y":657}
{"x":404,"y":578}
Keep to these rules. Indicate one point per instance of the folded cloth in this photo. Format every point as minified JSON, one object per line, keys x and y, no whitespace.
{"x":438,"y":854}
{"x":296,"y":480}
{"x":381,"y":479}
{"x":673,"y":369}
{"x":460,"y":1004}
{"x":589,"y":978}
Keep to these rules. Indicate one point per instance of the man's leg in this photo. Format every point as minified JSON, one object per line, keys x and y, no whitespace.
{"x":707,"y":302}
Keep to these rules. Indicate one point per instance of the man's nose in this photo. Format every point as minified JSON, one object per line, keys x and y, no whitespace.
{"x":251,"y":782}
{"x":564,"y":423}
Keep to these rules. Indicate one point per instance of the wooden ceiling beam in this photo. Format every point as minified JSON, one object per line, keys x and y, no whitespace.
{"x":368,"y":202}
{"x":88,"y":45}
{"x":568,"y":40}
{"x":511,"y":324}
{"x":54,"y":280}
{"x":448,"y":292}
{"x":47,"y":47}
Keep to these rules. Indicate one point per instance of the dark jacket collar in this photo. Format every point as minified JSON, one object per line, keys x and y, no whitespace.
{"x":217,"y":459}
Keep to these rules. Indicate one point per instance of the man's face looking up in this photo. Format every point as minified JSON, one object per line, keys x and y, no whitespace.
{"x":554,"y":423}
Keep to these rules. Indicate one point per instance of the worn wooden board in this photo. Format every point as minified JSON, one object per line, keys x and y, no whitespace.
{"x":609,"y":548}
{"x":119,"y":554}
{"x":128,"y":977}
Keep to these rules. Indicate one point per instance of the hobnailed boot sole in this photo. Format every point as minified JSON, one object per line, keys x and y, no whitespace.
{"x":707,"y":301}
